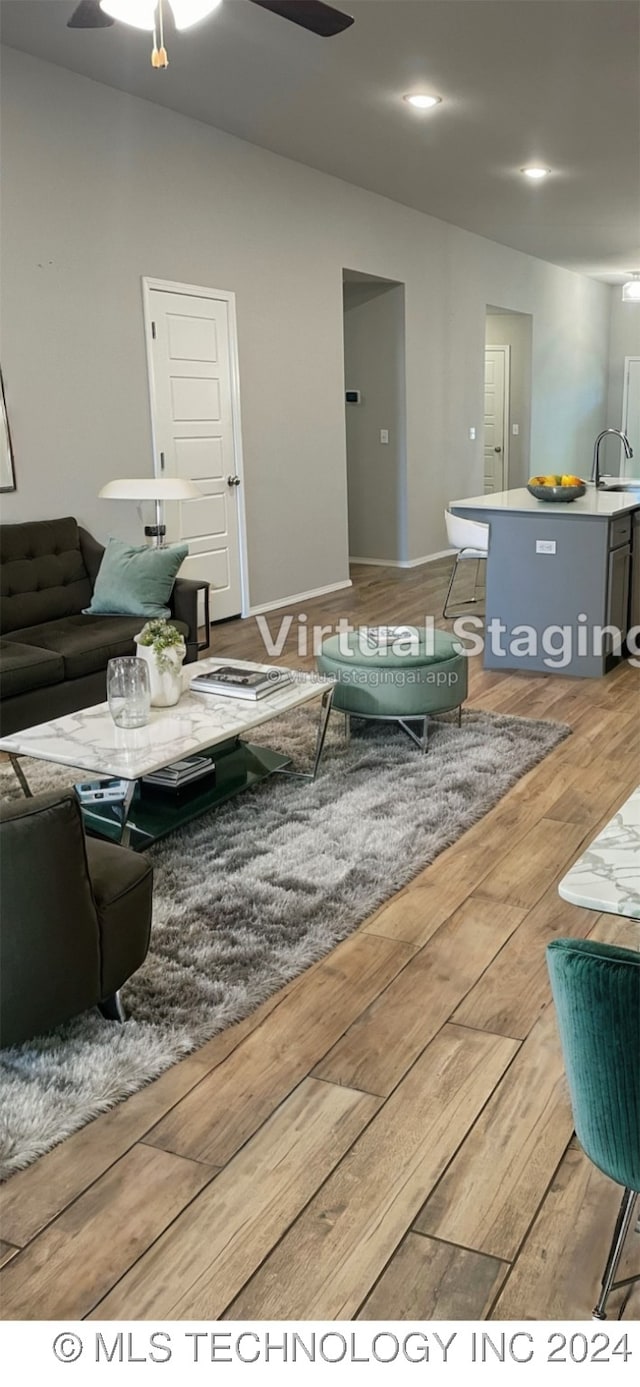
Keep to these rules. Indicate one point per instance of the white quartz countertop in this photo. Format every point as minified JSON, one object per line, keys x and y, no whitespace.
{"x":607,"y":876}
{"x":595,"y":504}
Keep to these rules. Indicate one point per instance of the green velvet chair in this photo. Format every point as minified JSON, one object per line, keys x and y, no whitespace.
{"x":596,"y":990}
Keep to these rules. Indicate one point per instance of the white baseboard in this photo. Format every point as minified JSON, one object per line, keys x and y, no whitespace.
{"x":298,"y":597}
{"x":405,"y":563}
{"x":429,"y":558}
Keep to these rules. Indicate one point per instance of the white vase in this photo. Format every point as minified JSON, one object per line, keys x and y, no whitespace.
{"x":166,"y":684}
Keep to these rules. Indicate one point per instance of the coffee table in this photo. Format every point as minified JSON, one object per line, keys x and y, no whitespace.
{"x":199,"y":722}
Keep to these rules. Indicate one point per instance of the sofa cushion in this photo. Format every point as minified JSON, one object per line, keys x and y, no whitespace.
{"x":136,"y":580}
{"x":86,"y":643}
{"x":26,"y":667}
{"x":42,"y":573}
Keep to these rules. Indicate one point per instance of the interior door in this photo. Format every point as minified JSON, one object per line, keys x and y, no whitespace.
{"x":496,"y":419}
{"x":190,"y":369}
{"x":630,"y":467}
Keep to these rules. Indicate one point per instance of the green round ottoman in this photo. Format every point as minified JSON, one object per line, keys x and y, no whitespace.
{"x":406,"y":680}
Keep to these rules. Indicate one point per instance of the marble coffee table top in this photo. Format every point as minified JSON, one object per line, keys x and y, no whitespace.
{"x":90,"y":740}
{"x":607,"y":876}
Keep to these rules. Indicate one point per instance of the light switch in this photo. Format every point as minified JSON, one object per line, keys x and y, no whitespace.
{"x":384,"y":435}
{"x":515,"y":429}
{"x":472,"y":434}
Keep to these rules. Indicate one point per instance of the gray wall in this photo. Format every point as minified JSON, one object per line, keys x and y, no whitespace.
{"x":514,"y":330}
{"x":374,"y":364}
{"x":101,"y":188}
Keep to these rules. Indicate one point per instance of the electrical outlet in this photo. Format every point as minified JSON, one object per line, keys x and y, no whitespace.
{"x":384,"y":435}
{"x":472,"y":434}
{"x":545,"y":546}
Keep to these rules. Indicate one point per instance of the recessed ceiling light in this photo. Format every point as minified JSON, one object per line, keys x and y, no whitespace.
{"x":535,"y":171}
{"x":421,"y":102}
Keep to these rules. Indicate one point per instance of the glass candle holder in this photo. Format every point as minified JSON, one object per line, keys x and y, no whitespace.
{"x":128,"y":691}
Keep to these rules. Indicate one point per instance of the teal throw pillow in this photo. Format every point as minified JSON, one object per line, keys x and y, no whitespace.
{"x":135,"y":580}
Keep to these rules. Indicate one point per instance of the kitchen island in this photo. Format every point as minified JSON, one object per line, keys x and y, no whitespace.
{"x":562,"y":580}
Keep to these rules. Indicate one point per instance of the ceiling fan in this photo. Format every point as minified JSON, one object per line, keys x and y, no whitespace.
{"x":313,"y":15}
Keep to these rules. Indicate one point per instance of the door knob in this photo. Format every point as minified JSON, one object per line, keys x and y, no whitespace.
{"x":497,"y":450}
{"x":233,"y":481}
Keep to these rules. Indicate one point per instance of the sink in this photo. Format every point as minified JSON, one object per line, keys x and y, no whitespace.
{"x":630,"y":484}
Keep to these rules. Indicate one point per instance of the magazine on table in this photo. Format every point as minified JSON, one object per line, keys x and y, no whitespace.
{"x":237,"y":682}
{"x":180,"y":773}
{"x":387,"y":635}
{"x":109,"y":790}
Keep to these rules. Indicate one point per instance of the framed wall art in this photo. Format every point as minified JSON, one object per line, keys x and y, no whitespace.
{"x":7,"y":470}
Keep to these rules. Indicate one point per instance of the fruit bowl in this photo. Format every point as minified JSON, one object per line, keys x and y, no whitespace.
{"x":556,"y":488}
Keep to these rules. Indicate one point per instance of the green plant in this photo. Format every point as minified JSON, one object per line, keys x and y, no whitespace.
{"x":162,"y":637}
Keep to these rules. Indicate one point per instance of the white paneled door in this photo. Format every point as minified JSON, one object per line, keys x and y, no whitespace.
{"x":630,"y":467}
{"x":496,"y":419}
{"x":191,"y":355}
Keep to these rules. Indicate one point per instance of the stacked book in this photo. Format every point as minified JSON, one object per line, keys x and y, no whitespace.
{"x":237,"y":681}
{"x":181,"y":773}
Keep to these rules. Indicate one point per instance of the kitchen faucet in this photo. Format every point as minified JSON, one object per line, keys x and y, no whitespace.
{"x":628,"y":452}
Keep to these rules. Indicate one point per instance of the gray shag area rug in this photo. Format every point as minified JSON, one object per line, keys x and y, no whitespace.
{"x":247,"y":897}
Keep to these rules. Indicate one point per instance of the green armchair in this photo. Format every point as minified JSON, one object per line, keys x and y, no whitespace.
{"x":596,"y":990}
{"x":75,"y":917}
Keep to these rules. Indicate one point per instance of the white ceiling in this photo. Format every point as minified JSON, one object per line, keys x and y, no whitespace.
{"x":522,"y":81}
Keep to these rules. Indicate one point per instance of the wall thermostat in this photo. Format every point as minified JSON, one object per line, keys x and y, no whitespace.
{"x":352,"y":397}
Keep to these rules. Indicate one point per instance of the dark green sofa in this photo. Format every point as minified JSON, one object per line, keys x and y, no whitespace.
{"x":53,"y":659}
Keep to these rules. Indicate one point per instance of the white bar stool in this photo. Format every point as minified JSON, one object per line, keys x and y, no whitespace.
{"x":470,"y":539}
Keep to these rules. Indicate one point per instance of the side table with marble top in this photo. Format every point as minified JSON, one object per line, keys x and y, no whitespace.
{"x":606,"y":877}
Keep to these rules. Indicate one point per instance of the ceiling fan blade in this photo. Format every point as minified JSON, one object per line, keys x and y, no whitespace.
{"x":310,"y":14}
{"x":88,"y":15}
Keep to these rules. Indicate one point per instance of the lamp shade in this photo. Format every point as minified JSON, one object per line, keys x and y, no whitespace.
{"x":150,"y":489}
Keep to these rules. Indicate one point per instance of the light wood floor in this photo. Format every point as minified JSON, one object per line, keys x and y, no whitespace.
{"x":389,"y":1136}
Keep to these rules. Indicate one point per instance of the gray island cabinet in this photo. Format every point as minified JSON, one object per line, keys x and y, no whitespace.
{"x":557,"y":574}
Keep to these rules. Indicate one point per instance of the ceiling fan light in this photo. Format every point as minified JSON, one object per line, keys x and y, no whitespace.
{"x":140,"y":14}
{"x":188,"y":12}
{"x":421,"y":101}
{"x":631,"y":290}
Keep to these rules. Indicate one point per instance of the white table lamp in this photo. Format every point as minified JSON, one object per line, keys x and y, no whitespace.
{"x":156,"y":489}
